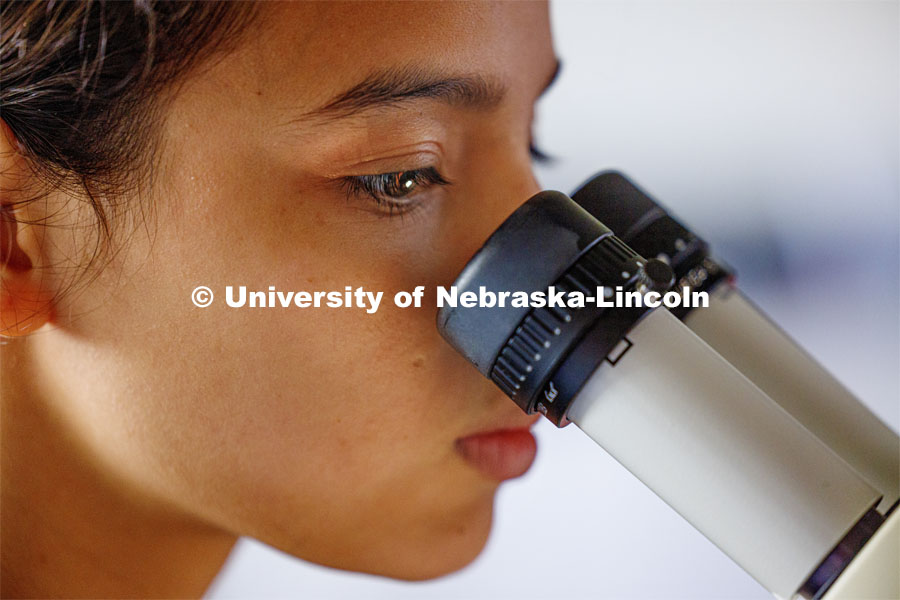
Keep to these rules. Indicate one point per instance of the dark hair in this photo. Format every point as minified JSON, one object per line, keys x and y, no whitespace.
{"x":81,"y":83}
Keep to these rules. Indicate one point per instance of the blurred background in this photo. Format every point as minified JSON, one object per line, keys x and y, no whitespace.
{"x":772,"y":129}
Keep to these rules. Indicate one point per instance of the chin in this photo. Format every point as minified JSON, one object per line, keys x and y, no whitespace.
{"x":445,"y":555}
{"x":411,"y":553}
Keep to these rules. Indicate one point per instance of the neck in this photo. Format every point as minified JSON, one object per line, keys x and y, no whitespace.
{"x":69,"y":530}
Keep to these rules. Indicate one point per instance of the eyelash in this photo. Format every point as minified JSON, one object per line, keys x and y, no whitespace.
{"x":388,"y":190}
{"x":537,"y":155}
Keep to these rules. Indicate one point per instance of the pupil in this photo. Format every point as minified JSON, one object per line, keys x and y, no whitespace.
{"x":404,"y":182}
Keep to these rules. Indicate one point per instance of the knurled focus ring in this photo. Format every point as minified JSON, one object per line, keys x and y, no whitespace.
{"x":546,"y":334}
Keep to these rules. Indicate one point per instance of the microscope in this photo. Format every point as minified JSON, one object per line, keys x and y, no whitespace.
{"x":713,"y":408}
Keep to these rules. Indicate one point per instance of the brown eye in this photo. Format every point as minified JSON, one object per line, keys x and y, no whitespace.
{"x":400,"y":184}
{"x":387,"y":188}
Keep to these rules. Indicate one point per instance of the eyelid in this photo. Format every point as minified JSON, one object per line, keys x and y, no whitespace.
{"x":538,"y":155}
{"x":373,"y":187}
{"x":408,"y":158}
{"x":427,"y":176}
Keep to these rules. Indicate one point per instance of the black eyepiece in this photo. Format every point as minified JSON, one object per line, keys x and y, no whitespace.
{"x":547,"y":249}
{"x":647,"y":227}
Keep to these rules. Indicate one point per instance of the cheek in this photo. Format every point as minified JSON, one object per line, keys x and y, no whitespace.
{"x":316,"y":430}
{"x":323,"y":453}
{"x":273,"y":421}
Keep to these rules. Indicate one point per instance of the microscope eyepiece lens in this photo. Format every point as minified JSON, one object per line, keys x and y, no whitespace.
{"x":549,"y":244}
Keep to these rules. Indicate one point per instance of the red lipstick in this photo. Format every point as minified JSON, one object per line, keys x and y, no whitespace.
{"x":501,"y":454}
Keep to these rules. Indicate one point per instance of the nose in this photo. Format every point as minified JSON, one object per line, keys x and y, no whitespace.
{"x":516,"y":184}
{"x":524,"y":185}
{"x":495,"y":194}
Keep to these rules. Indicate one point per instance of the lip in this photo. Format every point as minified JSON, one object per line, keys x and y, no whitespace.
{"x":500,"y":454}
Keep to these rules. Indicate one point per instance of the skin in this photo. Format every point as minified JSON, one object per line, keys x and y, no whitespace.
{"x":142,"y":435}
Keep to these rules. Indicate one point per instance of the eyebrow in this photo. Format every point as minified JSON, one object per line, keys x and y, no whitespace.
{"x":393,"y":87}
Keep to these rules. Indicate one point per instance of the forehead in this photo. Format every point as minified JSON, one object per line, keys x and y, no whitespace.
{"x":302,"y":53}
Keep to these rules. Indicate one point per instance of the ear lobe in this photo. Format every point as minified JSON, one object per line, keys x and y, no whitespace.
{"x":26,"y":300}
{"x":23,"y":308}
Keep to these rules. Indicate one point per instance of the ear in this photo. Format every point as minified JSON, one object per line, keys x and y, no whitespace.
{"x":26,"y":300}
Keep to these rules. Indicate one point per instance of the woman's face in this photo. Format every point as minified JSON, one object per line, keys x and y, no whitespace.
{"x":327,"y":432}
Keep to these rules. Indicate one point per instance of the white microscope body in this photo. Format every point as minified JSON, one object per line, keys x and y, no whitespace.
{"x":714,"y":409}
